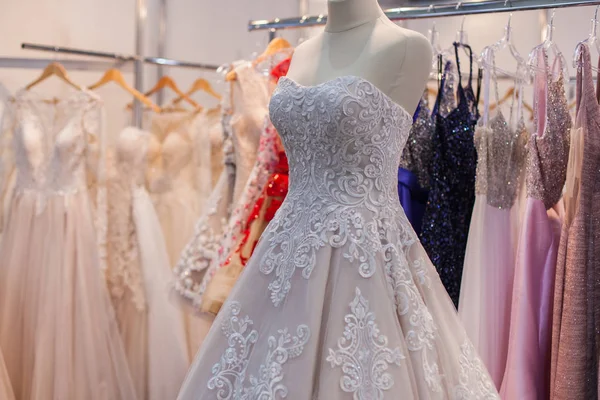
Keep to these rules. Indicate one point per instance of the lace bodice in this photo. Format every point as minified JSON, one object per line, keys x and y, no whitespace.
{"x":343,"y":139}
{"x":132,"y":152}
{"x":52,"y":140}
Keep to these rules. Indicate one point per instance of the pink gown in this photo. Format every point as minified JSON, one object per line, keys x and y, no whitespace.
{"x":58,"y":329}
{"x":576,"y":323}
{"x":487,"y":281}
{"x":526,"y":375}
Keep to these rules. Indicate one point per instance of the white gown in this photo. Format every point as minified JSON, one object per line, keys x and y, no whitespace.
{"x":339,"y":299}
{"x":58,"y":330}
{"x":139,"y":273}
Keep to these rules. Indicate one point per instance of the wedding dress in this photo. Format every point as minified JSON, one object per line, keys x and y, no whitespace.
{"x":244,"y":124}
{"x":339,"y":298}
{"x":139,"y":273}
{"x":57,"y":326}
{"x":174,"y":188}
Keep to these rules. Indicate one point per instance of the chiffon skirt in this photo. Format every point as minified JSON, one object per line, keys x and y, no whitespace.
{"x":58,"y":329}
{"x":487,"y":283}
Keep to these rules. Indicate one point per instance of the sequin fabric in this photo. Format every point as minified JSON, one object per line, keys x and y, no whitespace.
{"x":416,"y":156}
{"x":576,"y":313}
{"x":452,"y":195}
{"x":549,"y":150}
{"x":506,"y":156}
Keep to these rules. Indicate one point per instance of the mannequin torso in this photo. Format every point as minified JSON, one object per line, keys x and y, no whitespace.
{"x":360,"y":40}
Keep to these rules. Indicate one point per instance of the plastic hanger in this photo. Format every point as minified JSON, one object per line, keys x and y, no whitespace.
{"x":54,"y":69}
{"x":275,"y":46}
{"x":507,"y":96}
{"x":114,"y":75}
{"x":168,"y":82}
{"x":591,"y":41}
{"x":505,"y":43}
{"x":551,"y":48}
{"x":200,"y":84}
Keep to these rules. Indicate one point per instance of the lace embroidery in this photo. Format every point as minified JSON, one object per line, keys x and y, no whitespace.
{"x":473,"y":380}
{"x":409,"y":304}
{"x":343,"y":140}
{"x":363,"y":353}
{"x":229,"y":374}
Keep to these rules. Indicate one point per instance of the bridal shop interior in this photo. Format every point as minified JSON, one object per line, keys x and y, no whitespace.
{"x":175,"y":222}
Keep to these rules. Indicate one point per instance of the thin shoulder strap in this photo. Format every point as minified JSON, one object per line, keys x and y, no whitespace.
{"x":456,"y":45}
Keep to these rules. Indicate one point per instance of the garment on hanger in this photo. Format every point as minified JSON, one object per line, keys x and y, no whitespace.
{"x":261,"y":198}
{"x":413,"y":173}
{"x":57,"y":326}
{"x":173,"y":187}
{"x":487,"y":279}
{"x":339,"y":298}
{"x":415,"y":164}
{"x":218,"y":229}
{"x":576,"y":319}
{"x":452,"y":194}
{"x":202,"y":248}
{"x":528,"y":362}
{"x":139,"y":271}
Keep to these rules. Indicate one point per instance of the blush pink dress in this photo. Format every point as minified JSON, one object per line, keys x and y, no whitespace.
{"x":575,"y":337}
{"x":528,"y":361}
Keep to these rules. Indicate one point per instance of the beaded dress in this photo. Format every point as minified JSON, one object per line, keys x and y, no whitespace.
{"x":487,"y":280}
{"x":452,"y":194}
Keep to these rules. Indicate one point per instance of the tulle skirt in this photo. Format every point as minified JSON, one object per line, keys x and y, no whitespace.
{"x":337,"y":334}
{"x":165,"y":360}
{"x":57,"y":326}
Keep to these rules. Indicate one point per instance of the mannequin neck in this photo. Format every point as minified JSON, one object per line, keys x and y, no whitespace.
{"x":343,"y":15}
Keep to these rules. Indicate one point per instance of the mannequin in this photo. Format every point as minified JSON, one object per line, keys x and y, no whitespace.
{"x":360,"y":40}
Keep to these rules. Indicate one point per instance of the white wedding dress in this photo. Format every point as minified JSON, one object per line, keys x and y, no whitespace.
{"x":339,"y":299}
{"x":139,"y":275}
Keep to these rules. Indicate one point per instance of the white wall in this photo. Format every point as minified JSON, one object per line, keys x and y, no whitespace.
{"x":209,"y":31}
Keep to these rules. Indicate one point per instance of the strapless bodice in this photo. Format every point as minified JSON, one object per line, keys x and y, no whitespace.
{"x":343,"y":139}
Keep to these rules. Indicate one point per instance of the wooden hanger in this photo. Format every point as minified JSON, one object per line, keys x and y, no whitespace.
{"x":168,"y":82}
{"x":114,"y":75}
{"x":200,"y":84}
{"x":57,"y":70}
{"x":275,"y":46}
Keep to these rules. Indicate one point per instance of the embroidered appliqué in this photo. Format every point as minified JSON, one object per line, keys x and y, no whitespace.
{"x":229,"y":374}
{"x":363,"y":354}
{"x":473,"y":382}
{"x":343,"y":140}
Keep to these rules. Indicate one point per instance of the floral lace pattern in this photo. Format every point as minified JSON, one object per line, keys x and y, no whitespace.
{"x":472,"y":381}
{"x":229,"y":374}
{"x":343,"y":140}
{"x":363,"y":354}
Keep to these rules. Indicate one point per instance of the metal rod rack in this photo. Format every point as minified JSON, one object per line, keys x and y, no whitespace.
{"x":431,"y":11}
{"x":120,"y":57}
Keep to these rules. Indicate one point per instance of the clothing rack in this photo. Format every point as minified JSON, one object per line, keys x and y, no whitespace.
{"x":430,"y":11}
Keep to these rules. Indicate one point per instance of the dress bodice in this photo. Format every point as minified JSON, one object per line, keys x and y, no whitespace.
{"x":343,"y":139}
{"x":52,"y":140}
{"x":176,"y":148}
{"x":132,"y":152}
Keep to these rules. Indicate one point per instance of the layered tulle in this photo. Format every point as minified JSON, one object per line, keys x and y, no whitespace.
{"x":58,"y":329}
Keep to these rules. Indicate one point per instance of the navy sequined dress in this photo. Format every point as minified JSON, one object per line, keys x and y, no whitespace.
{"x":452,"y":186}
